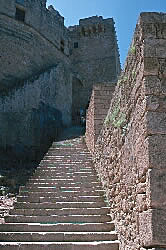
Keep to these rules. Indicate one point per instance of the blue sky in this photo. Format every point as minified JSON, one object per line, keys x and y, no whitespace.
{"x":124,"y":12}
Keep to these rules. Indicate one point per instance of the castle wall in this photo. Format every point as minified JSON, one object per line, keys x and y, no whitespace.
{"x":47,"y":22}
{"x":94,"y":53}
{"x":42,"y":41}
{"x":32,"y":46}
{"x":40,"y":105}
{"x":130,"y":151}
{"x":7,"y":7}
{"x":97,"y":111}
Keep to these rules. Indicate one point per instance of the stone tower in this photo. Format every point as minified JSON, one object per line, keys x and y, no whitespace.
{"x":94,"y":57}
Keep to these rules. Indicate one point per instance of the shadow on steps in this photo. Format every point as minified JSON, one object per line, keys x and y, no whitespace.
{"x":71,"y":133}
{"x":16,"y":168}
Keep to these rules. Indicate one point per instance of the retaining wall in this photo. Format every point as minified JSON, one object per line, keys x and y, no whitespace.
{"x":97,"y":111}
{"x":130,"y":153}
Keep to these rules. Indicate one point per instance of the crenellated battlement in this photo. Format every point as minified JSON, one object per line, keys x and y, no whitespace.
{"x":93,"y":26}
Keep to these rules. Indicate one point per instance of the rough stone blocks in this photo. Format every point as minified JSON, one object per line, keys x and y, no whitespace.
{"x":152,"y":228}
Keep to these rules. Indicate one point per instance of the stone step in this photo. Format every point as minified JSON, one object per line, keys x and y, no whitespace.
{"x":63,"y":211}
{"x":66,"y":168}
{"x":58,"y":227}
{"x":57,"y":236}
{"x":61,"y":193}
{"x":72,"y":156}
{"x":74,"y":176}
{"x":63,"y":159}
{"x":68,"y":157}
{"x":58,"y":219}
{"x":71,"y":160}
{"x":100,"y":245}
{"x":55,"y":175}
{"x":83,"y":151}
{"x":59,"y":198}
{"x":61,"y":163}
{"x":58,"y":183}
{"x":81,"y":180}
{"x":62,"y":170}
{"x":68,"y":154}
{"x":75,"y":152}
{"x":66,"y":160}
{"x":72,"y":148}
{"x":55,"y":188}
{"x":66,"y":165}
{"x":63,"y":178}
{"x":64,"y":184}
{"x":58,"y":205}
{"x":61,"y":173}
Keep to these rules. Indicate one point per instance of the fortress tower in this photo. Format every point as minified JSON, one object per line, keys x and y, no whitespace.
{"x":94,"y":56}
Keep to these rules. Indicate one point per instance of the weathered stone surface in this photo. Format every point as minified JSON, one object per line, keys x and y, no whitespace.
{"x":156,"y":123}
{"x":153,"y":85}
{"x":130,"y":153}
{"x":152,"y":17}
{"x":157,"y":151}
{"x":151,"y":66}
{"x":35,"y":53}
{"x":156,"y":188}
{"x":90,"y":35}
{"x":152,"y":228}
{"x":97,"y":112}
{"x":36,"y":111}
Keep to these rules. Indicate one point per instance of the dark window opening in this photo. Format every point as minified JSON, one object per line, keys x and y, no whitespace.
{"x":76,"y":45}
{"x":20,"y":15}
{"x":62,"y":45}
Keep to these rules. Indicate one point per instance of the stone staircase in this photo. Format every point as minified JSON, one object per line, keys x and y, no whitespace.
{"x":62,"y":207}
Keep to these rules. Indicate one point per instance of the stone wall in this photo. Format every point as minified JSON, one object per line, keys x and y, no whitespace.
{"x":94,"y":53}
{"x":30,"y":115}
{"x":130,"y":151}
{"x":41,"y":41}
{"x":97,"y":111}
{"x":47,"y":21}
{"x":30,"y":47}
